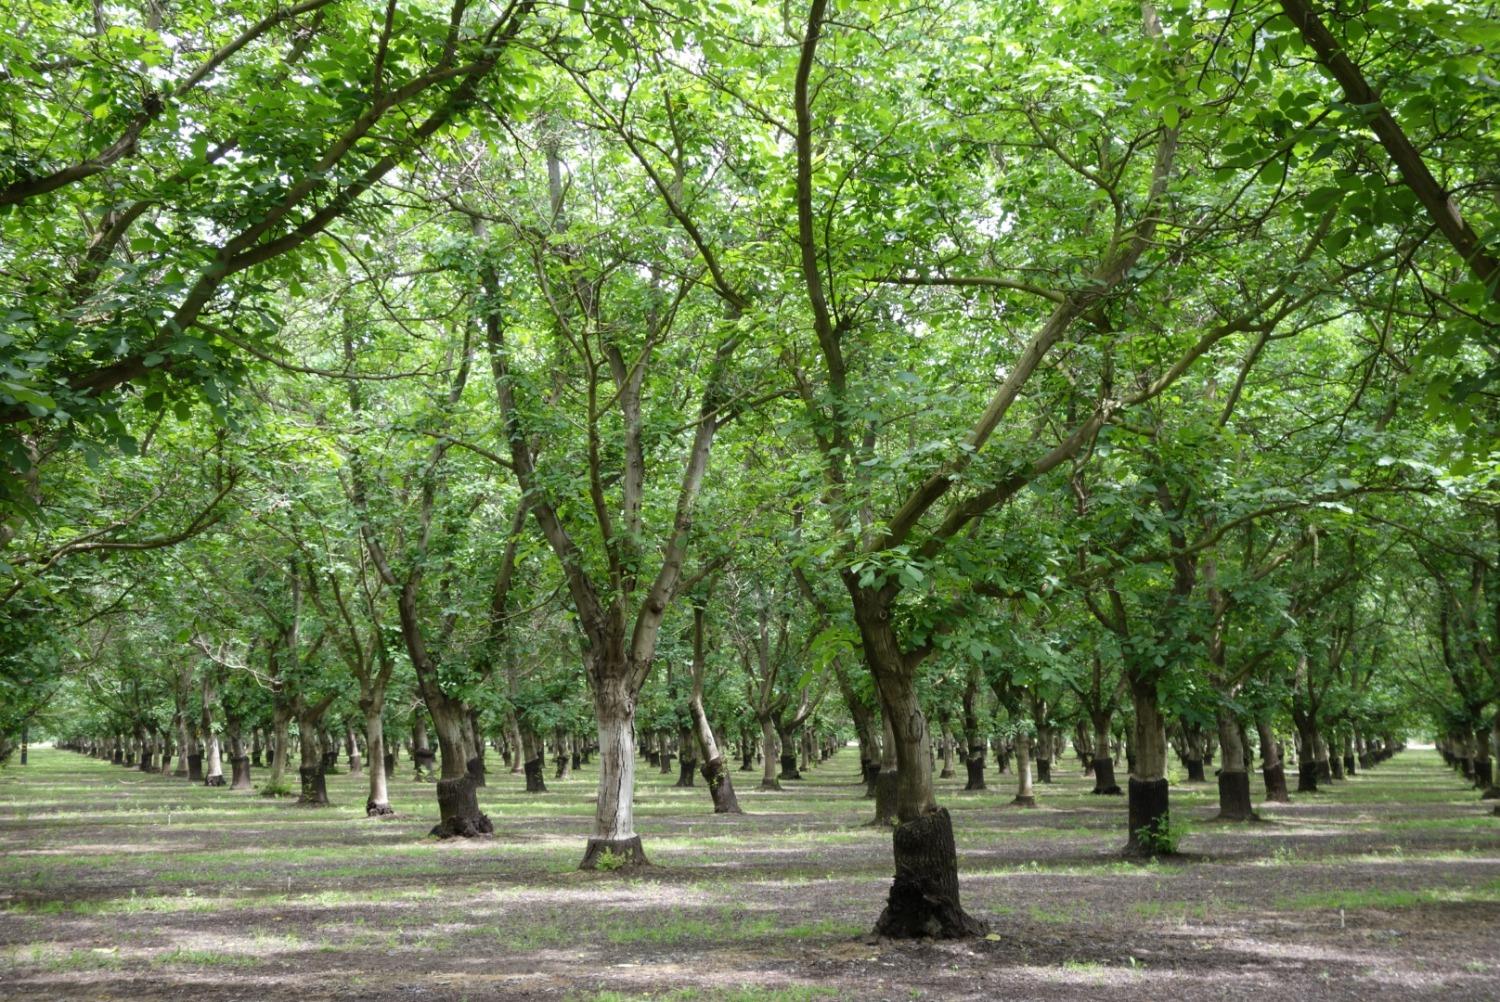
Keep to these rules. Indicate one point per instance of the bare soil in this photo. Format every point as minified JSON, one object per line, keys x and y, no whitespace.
{"x":119,"y":885}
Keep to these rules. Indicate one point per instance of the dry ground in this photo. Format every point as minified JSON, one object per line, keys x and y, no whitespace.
{"x":118,"y":885}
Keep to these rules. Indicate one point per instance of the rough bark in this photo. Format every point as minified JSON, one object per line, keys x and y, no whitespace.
{"x":351,"y":751}
{"x":1025,"y":795}
{"x":887,"y":779}
{"x":614,"y":843}
{"x":768,"y":754}
{"x":923,"y":899}
{"x":715,"y":774}
{"x":458,"y":806}
{"x":533,"y":760}
{"x":1148,"y":791}
{"x":789,"y":770}
{"x":310,"y":772}
{"x":457,"y":789}
{"x":281,"y":728}
{"x":382,"y":764}
{"x":215,"y":771}
{"x":422,"y":758}
{"x":1234,"y":775}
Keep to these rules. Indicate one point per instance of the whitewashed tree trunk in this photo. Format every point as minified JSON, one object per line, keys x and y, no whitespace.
{"x":614,"y":835}
{"x":214,"y":774}
{"x":1025,"y":797}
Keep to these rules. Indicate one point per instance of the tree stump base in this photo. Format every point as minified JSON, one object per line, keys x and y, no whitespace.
{"x":923,"y":902}
{"x":1148,"y":816}
{"x":609,"y":854}
{"x":458,"y":805}
{"x":1234,"y":797}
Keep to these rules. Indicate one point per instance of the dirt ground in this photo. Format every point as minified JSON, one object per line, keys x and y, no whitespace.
{"x":120,"y":885}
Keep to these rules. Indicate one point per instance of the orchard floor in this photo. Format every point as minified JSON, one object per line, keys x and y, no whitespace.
{"x":119,"y":885}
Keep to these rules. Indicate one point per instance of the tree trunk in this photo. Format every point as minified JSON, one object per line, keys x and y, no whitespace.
{"x":314,"y":787}
{"x":515,"y":761}
{"x":974,"y":744}
{"x":457,"y":790}
{"x":145,"y":751}
{"x":1492,"y":789}
{"x":1320,"y":755}
{"x":768,"y":755}
{"x":185,"y":748}
{"x":888,"y":780}
{"x":422,"y":759}
{"x":1272,"y":769}
{"x":614,"y":842}
{"x":788,"y":754}
{"x":533,"y":757}
{"x":475,"y":740}
{"x":1041,"y":750}
{"x":564,"y":755}
{"x":281,"y":731}
{"x":1307,"y":763}
{"x":720,"y":785}
{"x":1025,"y":794}
{"x":947,"y":741}
{"x":378,"y":804}
{"x":688,"y":758}
{"x":1150,"y":817}
{"x":351,"y":750}
{"x":924,"y":897}
{"x":1484,"y":776}
{"x":1104,"y":765}
{"x":215,"y":776}
{"x":1193,"y":760}
{"x":1234,"y":775}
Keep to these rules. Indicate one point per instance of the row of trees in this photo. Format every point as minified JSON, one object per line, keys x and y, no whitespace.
{"x":942,"y":369}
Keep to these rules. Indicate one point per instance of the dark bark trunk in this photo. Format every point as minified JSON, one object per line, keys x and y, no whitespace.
{"x":1149,"y":817}
{"x":613,"y":854}
{"x":458,"y":805}
{"x":721,"y":788}
{"x":314,"y":787}
{"x":975,"y":767}
{"x":1195,"y":771}
{"x":195,"y":767}
{"x":1104,"y":776}
{"x":1234,"y":796}
{"x":535,"y":783}
{"x":747,"y":756}
{"x":1148,"y":791}
{"x":923,"y":900}
{"x":1275,"y":780}
{"x":887,"y":783}
{"x":1307,"y":775}
{"x":239,"y":767}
